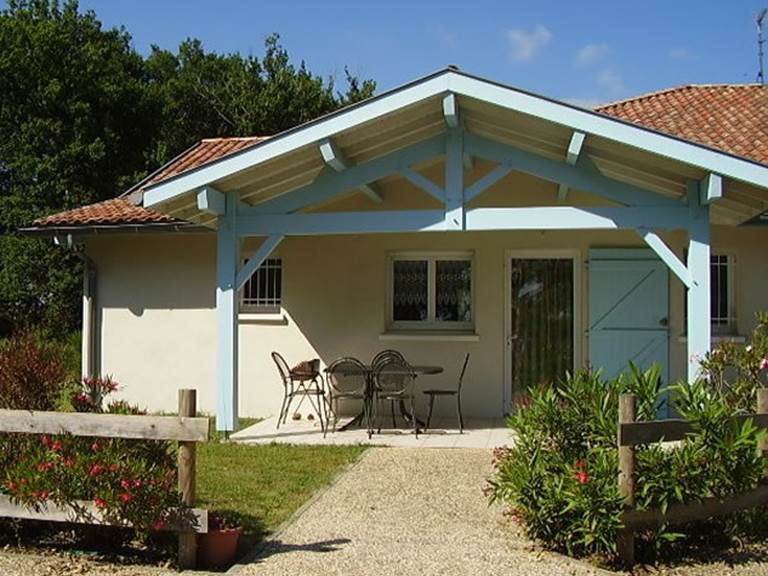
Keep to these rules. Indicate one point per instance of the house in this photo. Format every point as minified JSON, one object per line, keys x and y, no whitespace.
{"x":451,"y":214}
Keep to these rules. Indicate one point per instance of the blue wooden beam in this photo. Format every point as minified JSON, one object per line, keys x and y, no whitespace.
{"x":211,"y":200}
{"x":320,"y":223}
{"x":581,"y":177}
{"x":699,"y":328}
{"x":451,"y":110}
{"x":540,"y":218}
{"x":253,"y":263}
{"x":486,"y":181}
{"x":710,"y":189}
{"x":572,"y":218}
{"x":454,"y":180}
{"x":227,"y":257}
{"x":336,"y":160}
{"x":667,"y":256}
{"x":424,"y":183}
{"x":331,"y":183}
{"x":571,"y":157}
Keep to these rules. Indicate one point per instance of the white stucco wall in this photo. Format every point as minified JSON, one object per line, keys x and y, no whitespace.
{"x":157,"y":328}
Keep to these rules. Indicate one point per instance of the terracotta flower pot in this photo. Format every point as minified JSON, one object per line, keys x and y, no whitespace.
{"x":218,"y":547}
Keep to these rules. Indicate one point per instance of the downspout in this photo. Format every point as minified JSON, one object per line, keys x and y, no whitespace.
{"x":88,"y":346}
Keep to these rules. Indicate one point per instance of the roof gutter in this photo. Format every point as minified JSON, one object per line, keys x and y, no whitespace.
{"x":102,"y":229}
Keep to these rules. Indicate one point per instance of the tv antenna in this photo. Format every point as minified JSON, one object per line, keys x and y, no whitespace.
{"x":760,"y":41}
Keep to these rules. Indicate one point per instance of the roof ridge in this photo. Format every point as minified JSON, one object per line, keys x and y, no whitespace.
{"x":677,"y":88}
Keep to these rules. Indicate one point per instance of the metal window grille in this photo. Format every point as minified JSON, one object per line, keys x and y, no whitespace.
{"x":264,"y":288}
{"x":720,"y":298}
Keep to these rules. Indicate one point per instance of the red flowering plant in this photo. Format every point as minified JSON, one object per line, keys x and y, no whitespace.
{"x":131,"y":482}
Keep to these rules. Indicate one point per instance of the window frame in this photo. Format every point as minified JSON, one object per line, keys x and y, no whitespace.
{"x":729,"y":327}
{"x":431,"y":324}
{"x":262,"y":309}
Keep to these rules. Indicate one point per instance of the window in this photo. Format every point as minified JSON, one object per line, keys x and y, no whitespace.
{"x":431,"y":292}
{"x":721,"y":290}
{"x":263,"y":291}
{"x":721,"y":308}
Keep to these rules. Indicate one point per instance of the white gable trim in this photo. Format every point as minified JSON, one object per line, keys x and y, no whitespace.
{"x":471,"y":87}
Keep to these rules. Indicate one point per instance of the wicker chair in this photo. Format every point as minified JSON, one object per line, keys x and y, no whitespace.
{"x":456,"y":392}
{"x":348,"y":380}
{"x":303,"y":381}
{"x":395,"y":382}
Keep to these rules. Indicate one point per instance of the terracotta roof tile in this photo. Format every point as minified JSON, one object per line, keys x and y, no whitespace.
{"x":729,"y":117}
{"x":115,"y":211}
{"x":123,"y":210}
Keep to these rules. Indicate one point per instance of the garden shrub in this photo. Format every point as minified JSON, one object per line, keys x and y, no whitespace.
{"x":32,"y":373}
{"x":132,"y":482}
{"x":560,"y":479}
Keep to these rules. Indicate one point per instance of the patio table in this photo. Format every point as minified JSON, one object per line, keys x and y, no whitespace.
{"x":418,"y":369}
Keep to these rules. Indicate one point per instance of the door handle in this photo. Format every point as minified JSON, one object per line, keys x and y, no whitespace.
{"x":664,"y":322}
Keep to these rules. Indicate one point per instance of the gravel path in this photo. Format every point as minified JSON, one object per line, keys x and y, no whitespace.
{"x":408,"y":511}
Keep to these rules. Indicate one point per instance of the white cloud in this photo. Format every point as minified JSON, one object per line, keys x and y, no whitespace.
{"x":526,"y":43}
{"x":611,"y":82}
{"x":592,"y":53}
{"x":680,"y":53}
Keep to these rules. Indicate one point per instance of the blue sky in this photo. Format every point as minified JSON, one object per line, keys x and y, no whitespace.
{"x":586,"y":51}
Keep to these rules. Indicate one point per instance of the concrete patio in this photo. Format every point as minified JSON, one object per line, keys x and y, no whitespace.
{"x":478,"y":433}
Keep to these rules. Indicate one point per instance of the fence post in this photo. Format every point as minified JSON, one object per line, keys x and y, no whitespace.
{"x":625,"y":546}
{"x":762,"y":408}
{"x":187,"y":480}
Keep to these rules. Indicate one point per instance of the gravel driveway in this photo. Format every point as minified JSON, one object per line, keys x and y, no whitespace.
{"x":407,"y":511}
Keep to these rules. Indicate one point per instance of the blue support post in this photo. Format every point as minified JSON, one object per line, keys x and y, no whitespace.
{"x":699,"y":315}
{"x":227,"y":257}
{"x":454,"y":179}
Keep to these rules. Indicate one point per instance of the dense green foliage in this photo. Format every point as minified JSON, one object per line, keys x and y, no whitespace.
{"x":560,"y":478}
{"x":83,"y":116}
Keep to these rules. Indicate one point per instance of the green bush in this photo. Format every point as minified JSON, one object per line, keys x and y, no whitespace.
{"x":560,"y":479}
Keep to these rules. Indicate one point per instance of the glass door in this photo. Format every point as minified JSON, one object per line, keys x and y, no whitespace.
{"x":540,"y":340}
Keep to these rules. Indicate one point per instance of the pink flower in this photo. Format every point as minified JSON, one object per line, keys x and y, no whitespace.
{"x":69,"y":462}
{"x":113,"y":467}
{"x":95,"y":446}
{"x":137,"y":483}
{"x":582,"y":477}
{"x":44,"y":466}
{"x":95,"y":470}
{"x":580,"y":464}
{"x":126,"y":484}
{"x":100,"y":502}
{"x":159,"y":525}
{"x":56,"y":446}
{"x":45,"y":440}
{"x":764,"y":364}
{"x":126,"y":497}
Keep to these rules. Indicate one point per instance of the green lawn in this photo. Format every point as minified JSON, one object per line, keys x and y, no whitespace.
{"x":260,"y":486}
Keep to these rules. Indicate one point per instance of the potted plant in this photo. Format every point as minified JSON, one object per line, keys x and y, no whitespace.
{"x":218,"y":547}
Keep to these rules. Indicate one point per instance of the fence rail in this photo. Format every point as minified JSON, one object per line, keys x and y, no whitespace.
{"x":631,"y":434}
{"x":185,"y":428}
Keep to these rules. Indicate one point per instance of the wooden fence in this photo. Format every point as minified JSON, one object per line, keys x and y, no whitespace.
{"x":185,"y":428}
{"x":631,"y":433}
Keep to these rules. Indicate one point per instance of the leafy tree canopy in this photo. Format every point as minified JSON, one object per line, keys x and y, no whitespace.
{"x":83,"y":115}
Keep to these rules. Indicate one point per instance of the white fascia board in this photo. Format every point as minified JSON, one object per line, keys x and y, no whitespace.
{"x":610,"y":128}
{"x":292,"y":140}
{"x":471,"y":87}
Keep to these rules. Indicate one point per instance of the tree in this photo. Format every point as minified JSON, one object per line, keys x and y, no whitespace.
{"x":204,"y":94}
{"x":76,"y":123}
{"x":83,"y":116}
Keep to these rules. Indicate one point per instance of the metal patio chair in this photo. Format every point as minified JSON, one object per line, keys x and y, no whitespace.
{"x":395,"y":382}
{"x":348,"y":380}
{"x":433,"y":393}
{"x":303,"y":381}
{"x":384,"y":355}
